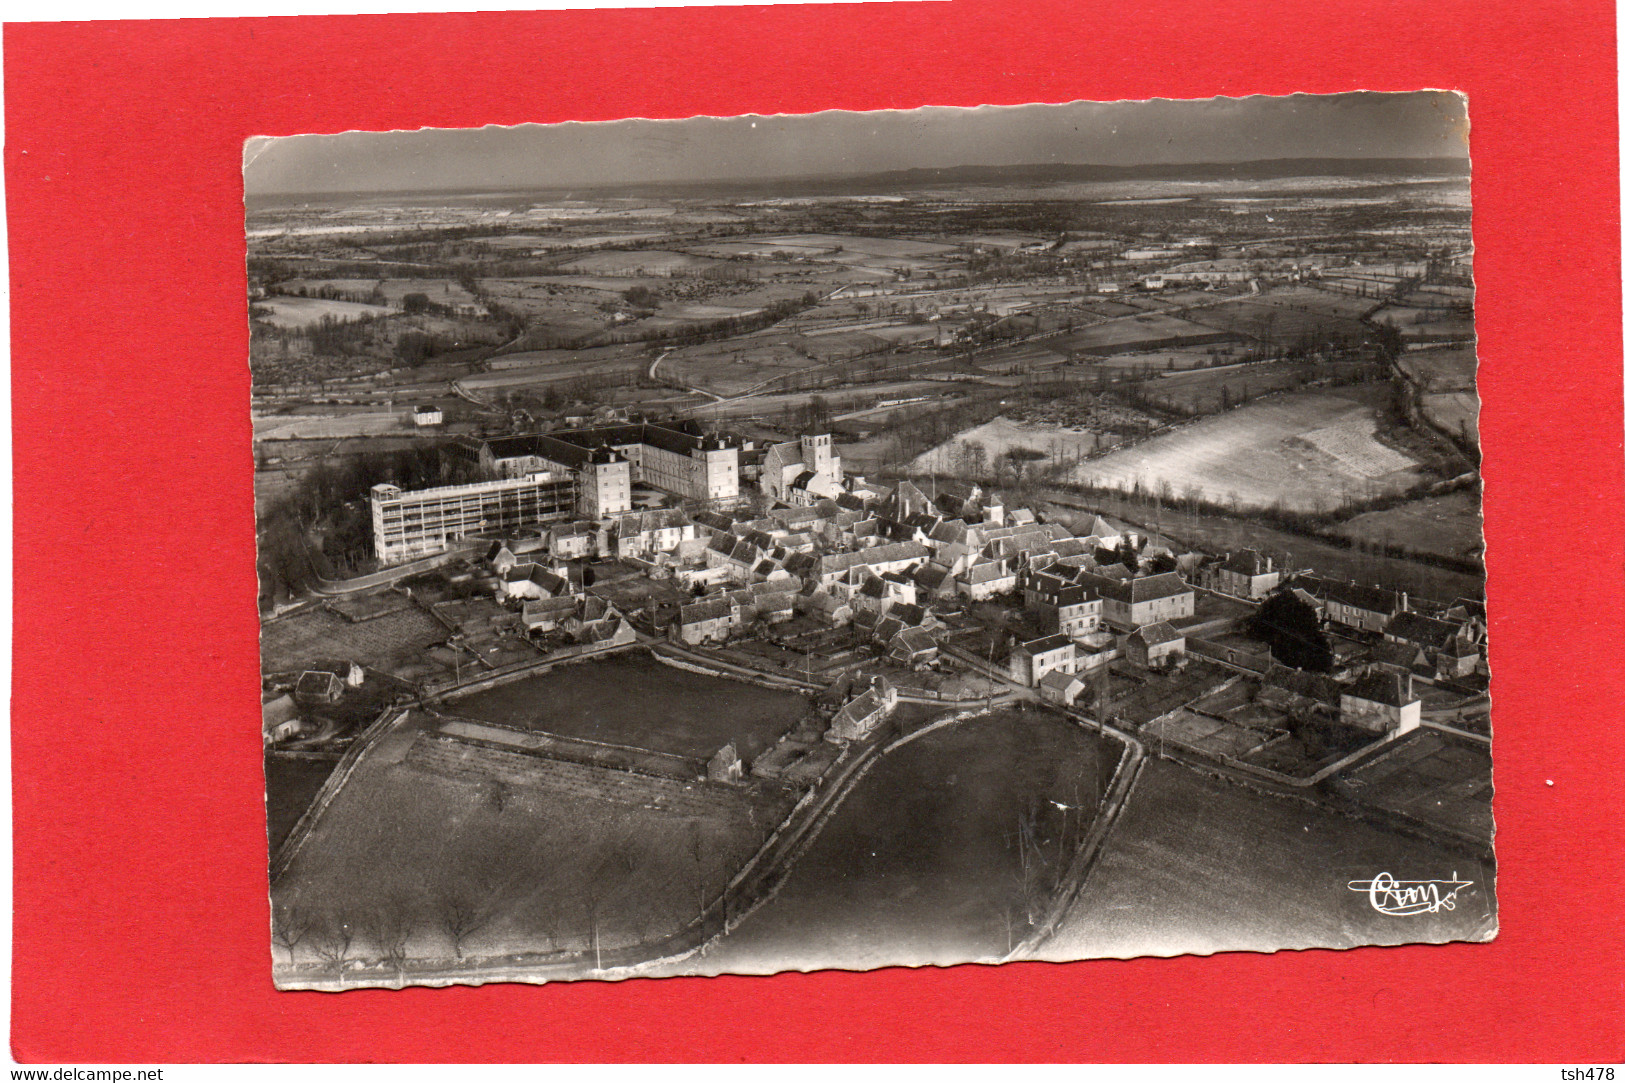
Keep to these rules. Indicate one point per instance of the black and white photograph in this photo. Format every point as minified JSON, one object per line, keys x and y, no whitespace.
{"x":731,"y":545}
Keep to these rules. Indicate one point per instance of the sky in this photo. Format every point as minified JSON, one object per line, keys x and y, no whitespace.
{"x":1423,"y":124}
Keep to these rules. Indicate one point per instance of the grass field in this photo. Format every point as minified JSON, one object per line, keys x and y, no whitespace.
{"x":1455,"y":412}
{"x":921,"y":864}
{"x":391,"y":644}
{"x":634,"y":700}
{"x":1452,"y":525}
{"x":306,"y":311}
{"x":1312,"y":450}
{"x":556,"y":862}
{"x":1197,"y":866}
{"x":1435,"y":778}
{"x":1447,"y":368}
{"x":291,"y":783}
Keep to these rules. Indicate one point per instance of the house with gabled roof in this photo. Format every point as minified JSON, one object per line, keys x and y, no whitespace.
{"x":1354,"y":605}
{"x":548,"y":614}
{"x":912,"y":647}
{"x":1060,"y":606}
{"x":1382,"y":702}
{"x":985,"y":577}
{"x":1153,"y":646}
{"x":533,"y":581}
{"x":912,"y":616}
{"x":1059,"y":686}
{"x":885,"y":628}
{"x":1246,"y":574}
{"x":1030,"y":661}
{"x":711,"y":620}
{"x":933,"y":581}
{"x":1419,"y":631}
{"x":1298,"y":692}
{"x":279,"y":720}
{"x":1133,"y":603}
{"x":1403,"y":658}
{"x":864,"y":713}
{"x":316,"y":687}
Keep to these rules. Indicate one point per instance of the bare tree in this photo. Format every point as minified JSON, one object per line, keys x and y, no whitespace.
{"x":389,"y":927}
{"x":289,"y":927}
{"x":332,"y":943}
{"x":460,"y":915}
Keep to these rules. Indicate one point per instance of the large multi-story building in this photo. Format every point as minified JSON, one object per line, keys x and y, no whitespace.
{"x":527,"y":481}
{"x":686,"y":464}
{"x":415,"y":523}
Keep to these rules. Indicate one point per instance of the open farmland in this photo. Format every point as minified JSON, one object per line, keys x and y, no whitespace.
{"x":362,"y":422}
{"x":636,"y":701}
{"x":1057,"y":444}
{"x":1143,"y":332}
{"x":306,"y":311}
{"x":1208,"y":391}
{"x":1284,"y":317}
{"x":439,"y":291}
{"x":1198,"y":866}
{"x":1306,"y":451}
{"x":653,"y":262}
{"x":1433,"y":777}
{"x":1421,"y":326}
{"x":737,"y":365}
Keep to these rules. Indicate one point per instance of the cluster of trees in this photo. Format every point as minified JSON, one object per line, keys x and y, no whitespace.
{"x":1291,"y":627}
{"x":323,"y":526}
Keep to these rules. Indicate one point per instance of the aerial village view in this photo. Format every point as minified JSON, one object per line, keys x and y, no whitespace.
{"x":689,"y":547}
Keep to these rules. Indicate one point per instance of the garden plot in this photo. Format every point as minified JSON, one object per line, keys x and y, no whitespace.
{"x":1258,"y":456}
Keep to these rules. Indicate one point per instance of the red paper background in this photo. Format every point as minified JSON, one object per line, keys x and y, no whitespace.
{"x":141,"y":921}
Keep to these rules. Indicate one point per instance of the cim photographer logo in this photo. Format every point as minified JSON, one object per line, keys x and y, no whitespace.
{"x":1407,"y":898}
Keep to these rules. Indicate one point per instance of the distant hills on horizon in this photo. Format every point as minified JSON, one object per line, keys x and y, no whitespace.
{"x":925,"y":177}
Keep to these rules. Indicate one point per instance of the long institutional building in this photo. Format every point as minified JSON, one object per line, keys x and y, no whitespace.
{"x":541,"y":478}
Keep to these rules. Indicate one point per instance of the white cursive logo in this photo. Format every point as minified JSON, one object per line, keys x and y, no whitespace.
{"x":1406,"y":898}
